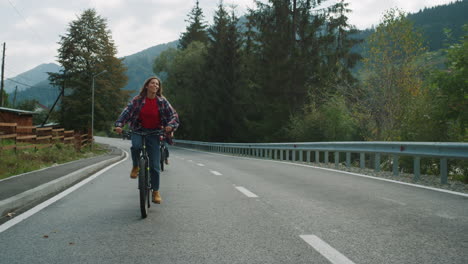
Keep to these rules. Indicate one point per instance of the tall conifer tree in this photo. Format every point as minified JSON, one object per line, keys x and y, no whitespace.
{"x":196,"y":30}
{"x":86,"y":50}
{"x":224,"y":75}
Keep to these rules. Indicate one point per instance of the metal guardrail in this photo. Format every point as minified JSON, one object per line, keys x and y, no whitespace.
{"x":306,"y":151}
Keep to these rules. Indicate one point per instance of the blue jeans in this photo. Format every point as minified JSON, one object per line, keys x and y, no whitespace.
{"x":152,"y":147}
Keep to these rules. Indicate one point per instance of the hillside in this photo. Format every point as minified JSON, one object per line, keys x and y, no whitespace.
{"x":139,"y":65}
{"x":30,"y":78}
{"x":432,"y":21}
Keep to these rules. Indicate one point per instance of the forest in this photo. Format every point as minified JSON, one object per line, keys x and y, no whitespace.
{"x":290,"y":75}
{"x":290,"y":72}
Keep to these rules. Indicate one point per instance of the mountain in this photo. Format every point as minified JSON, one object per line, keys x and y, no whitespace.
{"x":43,"y":92}
{"x":433,"y":21}
{"x":30,"y":78}
{"x":139,"y":68}
{"x":140,"y":65}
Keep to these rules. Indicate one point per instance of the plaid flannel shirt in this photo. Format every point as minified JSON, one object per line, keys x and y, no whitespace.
{"x":131,"y":113}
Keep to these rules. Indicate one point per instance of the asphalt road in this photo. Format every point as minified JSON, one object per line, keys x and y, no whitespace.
{"x":224,"y":209}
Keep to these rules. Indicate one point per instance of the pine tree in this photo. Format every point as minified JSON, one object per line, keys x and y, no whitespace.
{"x":340,"y":59}
{"x":224,"y":78}
{"x":86,"y":50}
{"x":196,"y":30}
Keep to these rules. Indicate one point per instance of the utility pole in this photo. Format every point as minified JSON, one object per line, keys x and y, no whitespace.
{"x":14,"y":97}
{"x":3,"y":71}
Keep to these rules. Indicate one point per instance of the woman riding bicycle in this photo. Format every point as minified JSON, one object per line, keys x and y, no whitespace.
{"x":148,"y":111}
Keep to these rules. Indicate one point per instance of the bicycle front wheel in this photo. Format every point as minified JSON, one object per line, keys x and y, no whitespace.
{"x":142,"y":186}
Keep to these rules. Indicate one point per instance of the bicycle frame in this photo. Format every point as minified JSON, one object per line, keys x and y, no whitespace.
{"x":144,"y":179}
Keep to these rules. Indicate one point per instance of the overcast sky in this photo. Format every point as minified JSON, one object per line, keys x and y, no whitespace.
{"x":31,"y":28}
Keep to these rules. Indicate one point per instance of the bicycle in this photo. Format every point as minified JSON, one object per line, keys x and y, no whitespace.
{"x":144,"y":179}
{"x":163,"y":150}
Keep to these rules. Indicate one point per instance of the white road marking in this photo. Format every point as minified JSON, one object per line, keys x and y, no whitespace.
{"x":338,"y":171}
{"x":246,"y":192}
{"x":326,"y":250}
{"x":445,"y":215}
{"x":393,"y":201}
{"x":57,"y":197}
{"x":215,"y":173}
{"x":201,"y":165}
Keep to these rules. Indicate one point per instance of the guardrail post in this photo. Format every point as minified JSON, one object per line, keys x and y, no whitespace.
{"x":443,"y":170}
{"x":281,"y":154}
{"x":395,"y":165}
{"x":377,"y":162}
{"x":337,"y":159}
{"x":417,"y":168}
{"x":326,"y":157}
{"x":348,"y":159}
{"x":362,"y":160}
{"x":301,"y":155}
{"x":293,"y":155}
{"x":317,"y":156}
{"x":308,"y":156}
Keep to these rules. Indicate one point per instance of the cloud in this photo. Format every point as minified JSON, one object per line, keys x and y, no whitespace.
{"x":57,"y":15}
{"x":135,"y":25}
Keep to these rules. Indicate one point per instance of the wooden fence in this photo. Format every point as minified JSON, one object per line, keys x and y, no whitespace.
{"x":25,"y":137}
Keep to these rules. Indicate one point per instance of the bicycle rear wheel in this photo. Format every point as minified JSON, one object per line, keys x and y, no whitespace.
{"x":142,"y":186}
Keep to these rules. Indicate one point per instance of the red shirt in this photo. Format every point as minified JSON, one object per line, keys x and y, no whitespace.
{"x":149,"y":114}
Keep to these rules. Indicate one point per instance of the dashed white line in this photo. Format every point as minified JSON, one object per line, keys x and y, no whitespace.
{"x":326,"y":250}
{"x":393,"y":201}
{"x":215,"y":173}
{"x":335,"y":170}
{"x":246,"y":192}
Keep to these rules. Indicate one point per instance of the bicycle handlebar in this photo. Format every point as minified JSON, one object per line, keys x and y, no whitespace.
{"x":148,"y":133}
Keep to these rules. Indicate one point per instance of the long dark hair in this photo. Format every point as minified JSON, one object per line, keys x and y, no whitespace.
{"x":143,"y":90}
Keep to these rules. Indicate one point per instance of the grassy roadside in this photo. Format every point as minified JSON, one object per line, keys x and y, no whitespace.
{"x":26,"y":160}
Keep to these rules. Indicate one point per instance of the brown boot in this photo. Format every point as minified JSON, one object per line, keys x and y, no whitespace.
{"x":134,"y":173}
{"x":156,"y":197}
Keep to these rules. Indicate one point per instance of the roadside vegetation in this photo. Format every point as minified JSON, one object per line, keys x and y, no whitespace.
{"x":26,"y":160}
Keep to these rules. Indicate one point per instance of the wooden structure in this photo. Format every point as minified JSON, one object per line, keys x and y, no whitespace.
{"x":20,"y":117}
{"x":22,"y":137}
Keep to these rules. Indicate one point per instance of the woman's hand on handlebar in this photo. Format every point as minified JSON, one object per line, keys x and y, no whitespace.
{"x":168,"y":129}
{"x":118,"y":130}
